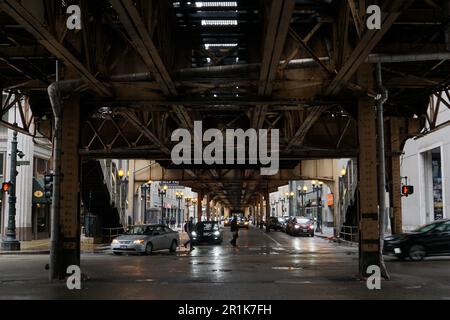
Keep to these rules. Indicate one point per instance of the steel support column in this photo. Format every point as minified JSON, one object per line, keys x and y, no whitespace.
{"x":208,"y":207}
{"x":369,"y":238}
{"x":199,"y":206}
{"x":395,"y":177}
{"x":69,"y":218}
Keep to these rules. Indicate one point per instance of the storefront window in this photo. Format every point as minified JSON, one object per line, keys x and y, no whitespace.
{"x":437,"y":184}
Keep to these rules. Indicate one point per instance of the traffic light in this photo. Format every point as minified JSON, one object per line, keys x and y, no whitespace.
{"x":6,"y":186}
{"x":407,"y":190}
{"x":48,"y":185}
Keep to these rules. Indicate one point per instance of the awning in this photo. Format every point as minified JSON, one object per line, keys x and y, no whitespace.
{"x":38,"y":193}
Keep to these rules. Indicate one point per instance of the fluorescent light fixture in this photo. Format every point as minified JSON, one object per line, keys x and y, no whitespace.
{"x":201,"y":4}
{"x":219,"y":45}
{"x":176,"y":4}
{"x":219,"y":22}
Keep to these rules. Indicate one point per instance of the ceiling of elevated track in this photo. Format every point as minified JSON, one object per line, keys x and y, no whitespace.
{"x":153,"y":66}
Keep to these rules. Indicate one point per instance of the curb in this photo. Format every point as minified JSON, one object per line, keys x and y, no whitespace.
{"x":24,"y":252}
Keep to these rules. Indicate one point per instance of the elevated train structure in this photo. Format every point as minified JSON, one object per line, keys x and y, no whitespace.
{"x":138,"y":70}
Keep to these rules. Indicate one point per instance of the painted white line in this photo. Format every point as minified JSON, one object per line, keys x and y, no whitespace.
{"x":271,"y":238}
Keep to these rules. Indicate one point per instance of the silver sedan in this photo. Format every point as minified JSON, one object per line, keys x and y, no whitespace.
{"x":146,"y":239}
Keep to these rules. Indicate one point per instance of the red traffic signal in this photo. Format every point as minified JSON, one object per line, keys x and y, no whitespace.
{"x":407,"y":190}
{"x":6,"y":186}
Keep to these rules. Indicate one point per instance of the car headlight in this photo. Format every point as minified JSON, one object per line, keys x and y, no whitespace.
{"x":193,"y":233}
{"x":139,"y":241}
{"x":115,"y":241}
{"x":246,"y":223}
{"x":297,"y":226}
{"x":217,"y":233}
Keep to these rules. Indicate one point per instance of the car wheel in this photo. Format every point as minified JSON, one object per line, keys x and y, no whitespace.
{"x":149,"y":248}
{"x":417,"y":252}
{"x":117,"y":253}
{"x":173,"y":246}
{"x":312,"y":235}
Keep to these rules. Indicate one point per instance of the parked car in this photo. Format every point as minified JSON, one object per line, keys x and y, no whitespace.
{"x":300,"y":226}
{"x":207,"y":232}
{"x":275,"y":223}
{"x":146,"y":239}
{"x":432,"y":239}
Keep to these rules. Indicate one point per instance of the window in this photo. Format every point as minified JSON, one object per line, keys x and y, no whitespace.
{"x":40,"y":168}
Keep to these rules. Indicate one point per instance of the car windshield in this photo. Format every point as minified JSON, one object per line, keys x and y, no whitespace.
{"x":303,"y":220}
{"x":208,"y":226}
{"x":427,"y":227}
{"x":140,"y":230}
{"x":281,"y":220}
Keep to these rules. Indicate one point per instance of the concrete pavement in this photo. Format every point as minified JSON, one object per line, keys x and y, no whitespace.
{"x":271,"y":266}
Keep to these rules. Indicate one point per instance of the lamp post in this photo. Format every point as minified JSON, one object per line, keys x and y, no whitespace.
{"x":273,"y":203}
{"x":303,"y":192}
{"x":290,"y":197}
{"x":162,"y":192}
{"x":194,"y":203}
{"x":122,"y":182}
{"x":144,"y":188}
{"x":317,"y":187}
{"x":282,"y":205}
{"x":11,"y":243}
{"x":179,"y":196}
{"x":188,"y":203}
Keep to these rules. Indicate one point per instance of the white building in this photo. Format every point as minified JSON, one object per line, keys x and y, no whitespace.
{"x":32,"y":211}
{"x":426,"y":164}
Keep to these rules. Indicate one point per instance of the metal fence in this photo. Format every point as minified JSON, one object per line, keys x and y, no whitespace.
{"x":349,"y":233}
{"x":110,"y":233}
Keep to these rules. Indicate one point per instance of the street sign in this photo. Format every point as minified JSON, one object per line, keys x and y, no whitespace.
{"x":23,"y":163}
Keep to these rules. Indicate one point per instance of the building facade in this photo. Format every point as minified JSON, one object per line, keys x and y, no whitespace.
{"x":32,"y":208}
{"x":426,"y":165}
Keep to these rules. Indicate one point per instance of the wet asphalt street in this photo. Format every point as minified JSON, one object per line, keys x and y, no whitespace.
{"x":271,"y":266}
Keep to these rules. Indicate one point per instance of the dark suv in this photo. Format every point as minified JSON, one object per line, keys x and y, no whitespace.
{"x":275,"y":223}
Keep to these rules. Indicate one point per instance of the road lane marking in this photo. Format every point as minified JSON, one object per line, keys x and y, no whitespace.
{"x":272,"y":239}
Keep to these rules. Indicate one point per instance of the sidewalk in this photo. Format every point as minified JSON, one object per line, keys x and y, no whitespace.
{"x":43,"y":247}
{"x":328,"y":233}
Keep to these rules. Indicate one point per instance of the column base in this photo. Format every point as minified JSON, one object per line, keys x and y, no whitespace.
{"x":10,"y":245}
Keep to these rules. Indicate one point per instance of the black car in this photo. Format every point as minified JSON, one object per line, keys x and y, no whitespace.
{"x":300,"y":226}
{"x":275,"y":223}
{"x":432,"y":239}
{"x":207,"y":232}
{"x":243,"y":222}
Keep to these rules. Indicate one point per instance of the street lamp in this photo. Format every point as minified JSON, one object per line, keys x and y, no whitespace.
{"x":179,"y":196}
{"x":317,"y":187}
{"x":144,"y":188}
{"x":11,"y":243}
{"x":162,"y":192}
{"x":123,"y":181}
{"x":194,"y":203}
{"x":282,"y":206}
{"x":302,"y":193}
{"x":290,"y":197}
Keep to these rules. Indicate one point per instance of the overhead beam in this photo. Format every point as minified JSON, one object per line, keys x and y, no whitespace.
{"x":18,"y":12}
{"x":141,"y":41}
{"x":367,"y":43}
{"x":280,"y":15}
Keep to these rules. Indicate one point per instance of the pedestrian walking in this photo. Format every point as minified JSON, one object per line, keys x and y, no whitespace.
{"x":189,"y":227}
{"x":234,"y":231}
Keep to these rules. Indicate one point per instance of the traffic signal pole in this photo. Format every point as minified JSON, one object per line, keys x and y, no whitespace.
{"x":11,"y":243}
